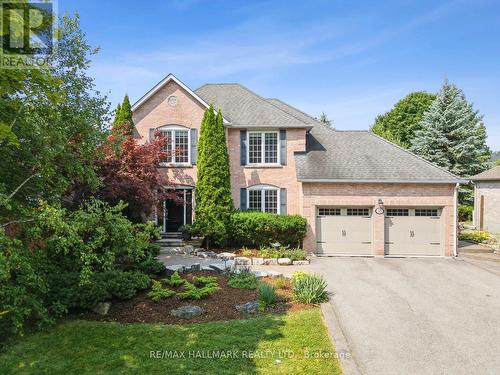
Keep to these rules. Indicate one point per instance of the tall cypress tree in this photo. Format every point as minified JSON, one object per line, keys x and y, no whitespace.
{"x":214,"y":203}
{"x":452,"y":134}
{"x":117,"y":114}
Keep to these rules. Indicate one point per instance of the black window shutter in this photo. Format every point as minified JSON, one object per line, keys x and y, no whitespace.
{"x":151,"y":134}
{"x":243,"y":147}
{"x":243,"y":199}
{"x":194,"y":145}
{"x":283,"y":146}
{"x":283,"y":201}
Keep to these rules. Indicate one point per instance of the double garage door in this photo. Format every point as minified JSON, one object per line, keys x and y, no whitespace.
{"x":407,"y":231}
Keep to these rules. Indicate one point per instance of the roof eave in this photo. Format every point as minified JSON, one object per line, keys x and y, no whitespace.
{"x":250,"y":126}
{"x":337,"y":181}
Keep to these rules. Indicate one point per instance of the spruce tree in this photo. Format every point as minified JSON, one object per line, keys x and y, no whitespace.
{"x":214,"y":203}
{"x":452,"y":134}
{"x":323,"y":118}
{"x":126,"y":111}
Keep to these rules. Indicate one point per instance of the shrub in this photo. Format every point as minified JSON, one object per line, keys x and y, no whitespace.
{"x":122,"y":285}
{"x":175,"y":280}
{"x":310,"y":289}
{"x":150,"y":266}
{"x":280,"y":282}
{"x":266,"y":296}
{"x":465,"y":212}
{"x":158,"y":291}
{"x":242,"y":280}
{"x":204,"y":280}
{"x":247,"y":252}
{"x":252,"y":228}
{"x":193,"y":292}
{"x":476,"y":236}
{"x":298,"y":275}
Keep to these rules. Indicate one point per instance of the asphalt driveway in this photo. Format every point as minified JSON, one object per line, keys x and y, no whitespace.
{"x":415,"y":316}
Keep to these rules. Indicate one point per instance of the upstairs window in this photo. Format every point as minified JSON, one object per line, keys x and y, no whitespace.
{"x":177,"y":145}
{"x":263,"y":198}
{"x":263,"y":147}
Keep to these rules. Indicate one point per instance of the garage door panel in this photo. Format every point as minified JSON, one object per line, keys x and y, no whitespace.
{"x":413,"y":235}
{"x":344,"y":235}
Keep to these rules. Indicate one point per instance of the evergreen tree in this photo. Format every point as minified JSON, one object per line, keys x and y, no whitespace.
{"x":123,"y":114}
{"x":400,"y":123}
{"x":323,"y":118}
{"x":214,"y":203}
{"x":452,"y":134}
{"x":117,"y":114}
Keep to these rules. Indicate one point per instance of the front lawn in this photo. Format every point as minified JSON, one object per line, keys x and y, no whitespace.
{"x":272,"y":344}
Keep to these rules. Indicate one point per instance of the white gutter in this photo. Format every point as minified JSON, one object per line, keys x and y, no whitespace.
{"x":455,"y":217}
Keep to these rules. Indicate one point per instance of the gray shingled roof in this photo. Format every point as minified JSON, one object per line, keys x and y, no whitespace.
{"x":489,"y":175}
{"x":331,"y":155}
{"x":243,"y":107}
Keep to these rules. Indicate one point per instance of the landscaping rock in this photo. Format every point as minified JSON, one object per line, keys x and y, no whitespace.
{"x":187,"y":311}
{"x":284,"y":261}
{"x":102,"y":308}
{"x":243,"y":260}
{"x":207,"y":254}
{"x":175,"y":268}
{"x":300,"y":262}
{"x":207,"y":269}
{"x":188,"y":249}
{"x":195,"y":267}
{"x":226,"y":255}
{"x":257,"y":261}
{"x":259,"y":274}
{"x":247,"y":308}
{"x":218,"y":267}
{"x":270,"y":261}
{"x":275,"y":274}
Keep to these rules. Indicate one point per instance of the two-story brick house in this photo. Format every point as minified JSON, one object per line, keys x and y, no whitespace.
{"x":360,"y":194}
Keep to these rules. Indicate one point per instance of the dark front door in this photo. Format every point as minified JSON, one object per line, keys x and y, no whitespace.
{"x":177,"y":214}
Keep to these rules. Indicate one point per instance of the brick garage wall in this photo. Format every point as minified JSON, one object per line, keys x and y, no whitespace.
{"x":316,"y":194}
{"x":281,"y":176}
{"x":491,"y":192}
{"x":156,"y":112}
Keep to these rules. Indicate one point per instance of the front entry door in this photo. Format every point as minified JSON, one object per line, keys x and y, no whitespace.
{"x":175,"y":213}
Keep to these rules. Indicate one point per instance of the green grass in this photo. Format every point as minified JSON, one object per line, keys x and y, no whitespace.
{"x":83,"y":347}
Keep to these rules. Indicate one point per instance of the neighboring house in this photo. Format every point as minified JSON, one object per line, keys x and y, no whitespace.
{"x":487,"y":200}
{"x":360,"y":194}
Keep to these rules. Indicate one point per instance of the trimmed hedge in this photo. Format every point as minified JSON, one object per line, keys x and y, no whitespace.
{"x":254,"y":228}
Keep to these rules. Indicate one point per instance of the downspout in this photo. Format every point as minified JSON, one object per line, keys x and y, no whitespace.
{"x":455,"y":220}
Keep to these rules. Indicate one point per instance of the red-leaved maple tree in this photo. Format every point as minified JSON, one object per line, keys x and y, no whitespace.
{"x":129,"y":172}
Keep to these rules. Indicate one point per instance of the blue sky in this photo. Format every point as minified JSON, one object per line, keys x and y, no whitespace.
{"x":351,"y":60}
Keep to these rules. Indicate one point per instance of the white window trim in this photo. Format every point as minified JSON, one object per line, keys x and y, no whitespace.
{"x":263,"y":149}
{"x":173,"y":129}
{"x":263,"y":196}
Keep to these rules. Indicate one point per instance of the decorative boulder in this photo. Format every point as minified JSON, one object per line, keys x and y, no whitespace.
{"x":195,"y":267}
{"x":275,"y":274}
{"x":247,"y":308}
{"x":242,"y":260}
{"x":257,"y":261}
{"x":270,"y":261}
{"x":102,"y":308}
{"x":226,"y":255}
{"x":187,"y":311}
{"x":284,"y":261}
{"x":179,"y":268}
{"x":300,"y":262}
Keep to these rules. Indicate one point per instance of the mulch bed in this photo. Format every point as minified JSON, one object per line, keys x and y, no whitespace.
{"x":218,"y":306}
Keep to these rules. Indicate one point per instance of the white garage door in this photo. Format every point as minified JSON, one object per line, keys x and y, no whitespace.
{"x":413,"y":231}
{"x":344,"y":231}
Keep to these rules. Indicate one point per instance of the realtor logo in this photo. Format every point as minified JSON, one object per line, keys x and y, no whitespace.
{"x":27,"y":33}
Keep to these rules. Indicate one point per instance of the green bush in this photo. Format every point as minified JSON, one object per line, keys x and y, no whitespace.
{"x":242,"y":280}
{"x":149,"y":266}
{"x":282,"y":252}
{"x":193,"y":292}
{"x":266,"y":296}
{"x":476,"y":236}
{"x":158,"y":291}
{"x":310,"y":289}
{"x":175,"y":280}
{"x":66,"y":291}
{"x":204,"y":280}
{"x":252,"y":228}
{"x":465,"y":212}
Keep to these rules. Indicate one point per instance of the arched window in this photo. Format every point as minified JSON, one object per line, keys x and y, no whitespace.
{"x":264,"y":198}
{"x":177,"y":145}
